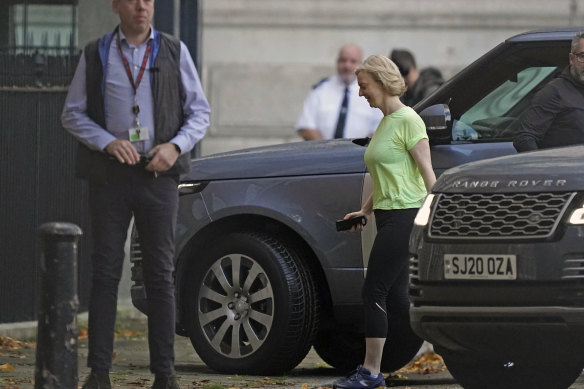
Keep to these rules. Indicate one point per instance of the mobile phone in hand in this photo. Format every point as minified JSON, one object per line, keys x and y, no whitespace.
{"x":343,"y":225}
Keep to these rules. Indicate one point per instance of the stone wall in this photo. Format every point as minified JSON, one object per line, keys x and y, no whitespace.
{"x":95,"y":18}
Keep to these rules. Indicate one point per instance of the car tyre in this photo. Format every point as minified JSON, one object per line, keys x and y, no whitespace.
{"x":535,"y":372}
{"x":250,"y":305}
{"x":345,"y":349}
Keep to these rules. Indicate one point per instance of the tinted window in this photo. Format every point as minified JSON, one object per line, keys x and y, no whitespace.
{"x":495,"y":116}
{"x":488,"y":98}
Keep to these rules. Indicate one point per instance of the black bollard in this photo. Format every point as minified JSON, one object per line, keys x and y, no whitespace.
{"x":56,"y":353}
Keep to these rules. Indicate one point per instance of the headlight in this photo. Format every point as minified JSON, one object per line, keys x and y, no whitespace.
{"x":577,"y":216}
{"x":424,"y":213}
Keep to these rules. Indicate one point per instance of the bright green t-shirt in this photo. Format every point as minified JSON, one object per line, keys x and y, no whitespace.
{"x":397,"y":181}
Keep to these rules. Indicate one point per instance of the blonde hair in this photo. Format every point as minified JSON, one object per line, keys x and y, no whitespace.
{"x":384,"y":71}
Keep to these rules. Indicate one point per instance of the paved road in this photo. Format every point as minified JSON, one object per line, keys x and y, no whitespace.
{"x":131,"y":368}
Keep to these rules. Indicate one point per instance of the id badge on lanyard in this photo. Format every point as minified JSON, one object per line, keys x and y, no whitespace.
{"x":137,"y":132}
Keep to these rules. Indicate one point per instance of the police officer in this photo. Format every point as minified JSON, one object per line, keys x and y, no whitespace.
{"x":333,"y":108}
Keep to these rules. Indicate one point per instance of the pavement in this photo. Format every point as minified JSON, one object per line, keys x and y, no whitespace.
{"x":130,"y":365}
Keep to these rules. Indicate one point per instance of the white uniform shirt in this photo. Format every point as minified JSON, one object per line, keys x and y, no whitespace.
{"x":323,"y":103}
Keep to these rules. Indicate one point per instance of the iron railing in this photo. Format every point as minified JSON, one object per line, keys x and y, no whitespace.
{"x":39,"y":67}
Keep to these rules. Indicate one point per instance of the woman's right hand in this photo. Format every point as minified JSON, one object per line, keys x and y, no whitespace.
{"x":358,"y":226}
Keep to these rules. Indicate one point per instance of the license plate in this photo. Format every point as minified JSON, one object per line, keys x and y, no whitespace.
{"x":480,"y":267}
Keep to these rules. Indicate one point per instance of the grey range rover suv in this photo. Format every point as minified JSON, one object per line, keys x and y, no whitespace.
{"x":497,"y":276}
{"x":261,"y":272}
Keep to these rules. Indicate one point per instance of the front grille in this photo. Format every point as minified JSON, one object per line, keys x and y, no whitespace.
{"x":497,"y":215}
{"x":414,"y":266}
{"x":573,"y":268}
{"x":414,"y":277}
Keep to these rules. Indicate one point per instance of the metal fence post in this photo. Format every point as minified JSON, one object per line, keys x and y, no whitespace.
{"x":56,"y":353}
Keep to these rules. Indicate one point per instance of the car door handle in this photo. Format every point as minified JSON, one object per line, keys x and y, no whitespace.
{"x":185,"y":188}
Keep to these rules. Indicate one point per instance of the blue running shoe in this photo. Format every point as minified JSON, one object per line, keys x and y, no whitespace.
{"x":360,"y":379}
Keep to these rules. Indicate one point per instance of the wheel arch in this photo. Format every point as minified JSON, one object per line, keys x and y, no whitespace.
{"x":248,"y":223}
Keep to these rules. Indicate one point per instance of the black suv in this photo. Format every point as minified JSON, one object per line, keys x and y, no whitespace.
{"x":497,"y":279}
{"x":261,"y":272}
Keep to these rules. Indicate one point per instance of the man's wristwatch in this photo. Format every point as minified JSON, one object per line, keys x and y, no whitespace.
{"x":177,"y":148}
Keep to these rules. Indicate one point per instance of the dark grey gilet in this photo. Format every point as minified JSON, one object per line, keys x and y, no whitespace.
{"x":168,"y":95}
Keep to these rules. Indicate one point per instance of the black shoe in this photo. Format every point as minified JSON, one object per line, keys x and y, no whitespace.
{"x":162,"y":381}
{"x":97,"y":380}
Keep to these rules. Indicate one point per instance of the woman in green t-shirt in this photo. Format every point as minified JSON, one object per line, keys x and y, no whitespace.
{"x":398,"y":159}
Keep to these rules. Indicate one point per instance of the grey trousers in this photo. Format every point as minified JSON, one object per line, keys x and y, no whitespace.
{"x":132,"y":191}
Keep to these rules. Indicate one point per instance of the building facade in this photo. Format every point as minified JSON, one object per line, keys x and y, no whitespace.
{"x":259,"y":58}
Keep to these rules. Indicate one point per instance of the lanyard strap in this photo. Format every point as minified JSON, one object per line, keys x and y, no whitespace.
{"x":136,"y":84}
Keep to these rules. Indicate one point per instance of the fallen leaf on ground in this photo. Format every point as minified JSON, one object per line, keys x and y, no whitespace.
{"x":128,"y":334}
{"x":82,"y":333}
{"x":7,"y":367}
{"x":426,"y":364}
{"x":397,"y":376}
{"x":7,"y":343}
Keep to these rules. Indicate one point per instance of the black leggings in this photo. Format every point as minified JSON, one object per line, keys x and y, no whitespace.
{"x":385,"y":292}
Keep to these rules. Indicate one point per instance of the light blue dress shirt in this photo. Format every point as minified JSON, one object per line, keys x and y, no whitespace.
{"x":119,"y":100}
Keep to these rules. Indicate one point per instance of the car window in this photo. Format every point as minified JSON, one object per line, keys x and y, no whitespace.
{"x":496,"y":116}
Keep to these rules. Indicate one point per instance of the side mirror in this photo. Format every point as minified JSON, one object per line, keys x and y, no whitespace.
{"x":362,"y":141}
{"x":438,"y":121}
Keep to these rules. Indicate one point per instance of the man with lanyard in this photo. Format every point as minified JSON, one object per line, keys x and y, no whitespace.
{"x":137,"y":107}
